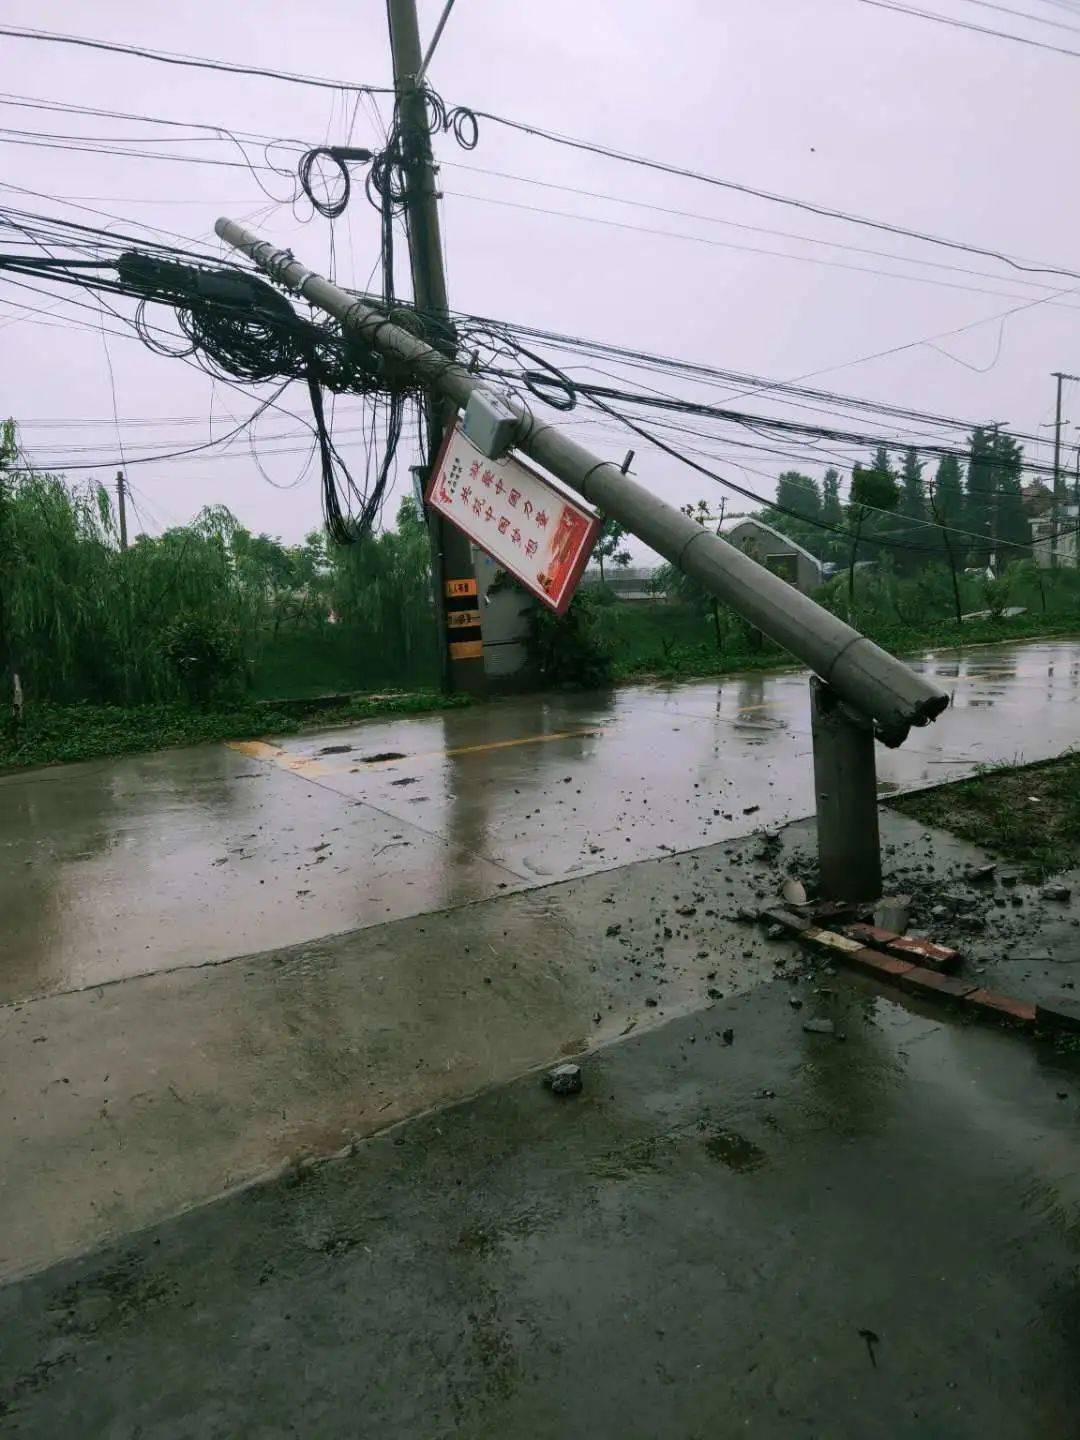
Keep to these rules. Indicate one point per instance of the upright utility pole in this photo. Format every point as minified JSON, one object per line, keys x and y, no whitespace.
{"x":121,"y":505}
{"x":1055,"y":509}
{"x":1059,"y":487}
{"x":454,"y":576}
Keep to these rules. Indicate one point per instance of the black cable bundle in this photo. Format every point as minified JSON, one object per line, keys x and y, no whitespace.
{"x":247,"y":330}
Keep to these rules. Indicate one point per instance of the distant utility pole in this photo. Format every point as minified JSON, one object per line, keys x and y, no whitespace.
{"x":1055,"y":513}
{"x":453,"y":573}
{"x":121,"y":505}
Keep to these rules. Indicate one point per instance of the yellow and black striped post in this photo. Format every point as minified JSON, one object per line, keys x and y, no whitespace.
{"x":464,"y":638}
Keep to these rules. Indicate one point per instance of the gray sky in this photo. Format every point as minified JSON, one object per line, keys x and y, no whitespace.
{"x":828,"y":100}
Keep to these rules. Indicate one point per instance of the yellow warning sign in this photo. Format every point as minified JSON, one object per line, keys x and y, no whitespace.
{"x":462,"y":619}
{"x":460,"y":587}
{"x":466,"y":650}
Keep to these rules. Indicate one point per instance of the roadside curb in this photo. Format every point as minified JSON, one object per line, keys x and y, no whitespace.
{"x":967,"y":997}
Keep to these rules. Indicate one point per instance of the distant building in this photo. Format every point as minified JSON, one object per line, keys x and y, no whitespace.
{"x":1037,"y":499}
{"x":1042,"y":529}
{"x":778,"y":553}
{"x":629,"y":582}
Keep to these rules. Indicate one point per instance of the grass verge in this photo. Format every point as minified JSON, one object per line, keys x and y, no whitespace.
{"x":54,"y":734}
{"x":638,"y":653}
{"x":1028,"y":815}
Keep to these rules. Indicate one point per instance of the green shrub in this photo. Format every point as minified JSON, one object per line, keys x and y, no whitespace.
{"x":575,"y":649}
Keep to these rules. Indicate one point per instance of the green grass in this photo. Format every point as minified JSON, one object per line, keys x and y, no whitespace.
{"x":333,"y":661}
{"x":673,"y":642}
{"x":55,"y":734}
{"x":1029,"y":815}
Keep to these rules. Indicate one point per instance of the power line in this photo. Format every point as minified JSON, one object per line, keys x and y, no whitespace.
{"x":731,"y":224}
{"x":454,"y":118}
{"x":1025,"y":15}
{"x":666,"y":167}
{"x":167,"y":57}
{"x":750,"y":249}
{"x":967,"y":25}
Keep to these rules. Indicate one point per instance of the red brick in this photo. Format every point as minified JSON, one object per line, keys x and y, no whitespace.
{"x":934,"y":957}
{"x":830,"y":940}
{"x":870,"y":932}
{"x":881,"y":966}
{"x":930,"y":984}
{"x":991,"y":1004}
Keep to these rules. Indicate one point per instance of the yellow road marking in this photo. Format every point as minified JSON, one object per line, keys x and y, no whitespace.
{"x":300,"y":765}
{"x":257,"y":749}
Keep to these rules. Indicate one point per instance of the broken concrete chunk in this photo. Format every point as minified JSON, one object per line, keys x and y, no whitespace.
{"x":819,"y":1027}
{"x":793,"y":891}
{"x":892,"y":913}
{"x":1055,"y":892}
{"x":980,"y":874}
{"x":564,"y":1079}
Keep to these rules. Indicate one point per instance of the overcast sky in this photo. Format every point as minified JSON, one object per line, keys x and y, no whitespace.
{"x":832,"y":101}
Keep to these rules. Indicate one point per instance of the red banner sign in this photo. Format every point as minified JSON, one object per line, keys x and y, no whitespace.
{"x":524,"y":523}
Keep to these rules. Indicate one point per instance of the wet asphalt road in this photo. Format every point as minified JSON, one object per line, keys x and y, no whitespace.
{"x":221,"y":965}
{"x":782,"y":1236}
{"x":125,"y":867}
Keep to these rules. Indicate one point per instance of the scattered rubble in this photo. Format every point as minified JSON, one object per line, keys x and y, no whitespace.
{"x":819,"y":1027}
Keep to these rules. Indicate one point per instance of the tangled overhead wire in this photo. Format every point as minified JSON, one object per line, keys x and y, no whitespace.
{"x":244,"y":328}
{"x":339,"y":156}
{"x":388,"y":178}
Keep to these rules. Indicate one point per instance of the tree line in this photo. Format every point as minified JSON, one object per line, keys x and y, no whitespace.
{"x":980,"y":504}
{"x":191,"y":612}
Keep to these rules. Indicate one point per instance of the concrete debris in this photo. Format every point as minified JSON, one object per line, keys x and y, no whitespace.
{"x":981,"y":874}
{"x":728,"y":1037}
{"x":775,"y":932}
{"x":564,"y":1079}
{"x":893,"y":912}
{"x":335,"y":750}
{"x":819,"y":1027}
{"x":1055,"y":892}
{"x":793,"y":891}
{"x":794,"y":1002}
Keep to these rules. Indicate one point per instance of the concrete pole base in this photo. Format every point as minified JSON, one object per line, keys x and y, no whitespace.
{"x":845,"y":785}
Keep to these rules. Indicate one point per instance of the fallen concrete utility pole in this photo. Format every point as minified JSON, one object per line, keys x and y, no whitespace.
{"x":868,"y":690}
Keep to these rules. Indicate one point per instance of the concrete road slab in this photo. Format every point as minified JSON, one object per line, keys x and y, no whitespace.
{"x":127,"y":1102}
{"x":183,"y":857}
{"x":151,"y":862}
{"x":782,"y":1236}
